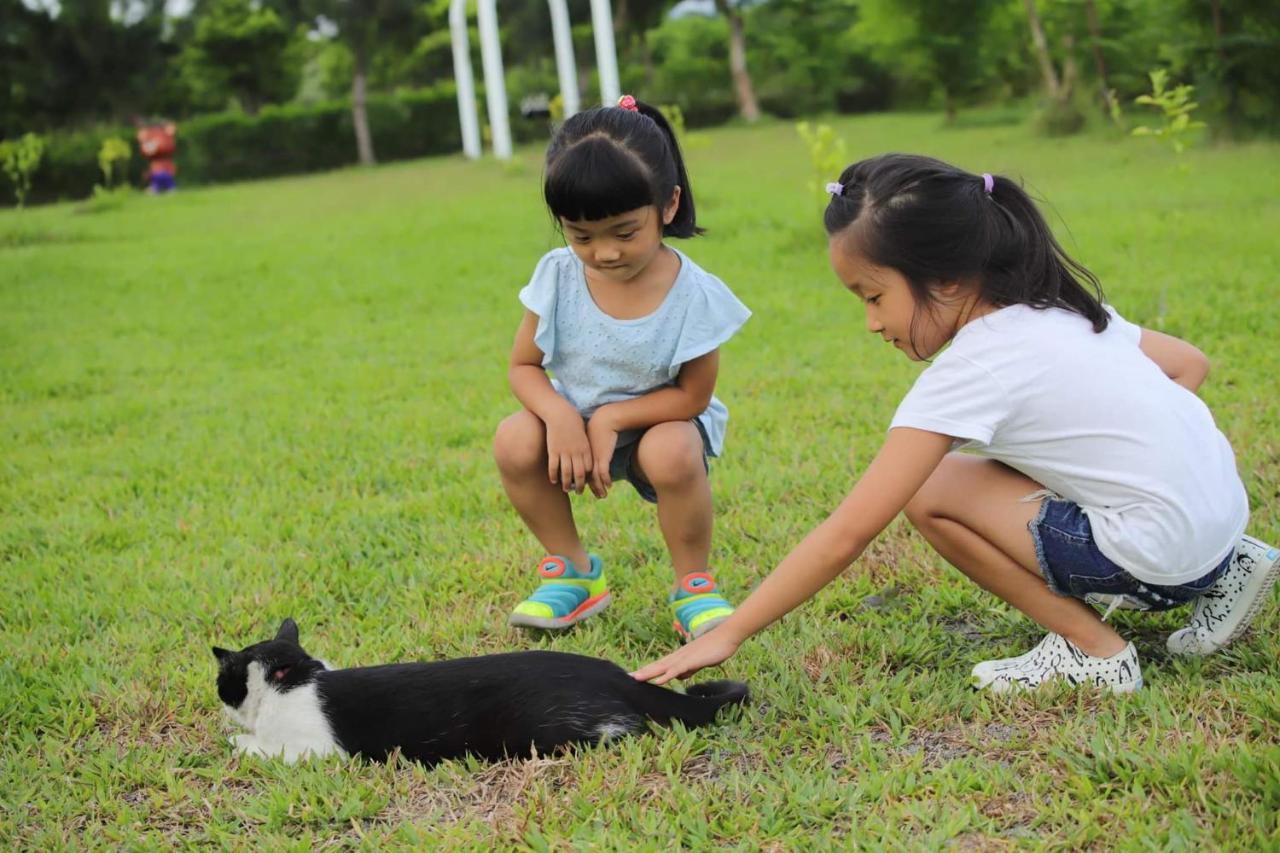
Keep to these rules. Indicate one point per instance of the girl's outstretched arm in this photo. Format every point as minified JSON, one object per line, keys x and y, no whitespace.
{"x":901,"y":467}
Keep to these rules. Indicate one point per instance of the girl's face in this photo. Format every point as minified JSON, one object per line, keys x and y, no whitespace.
{"x":891,"y":306}
{"x":620,"y":247}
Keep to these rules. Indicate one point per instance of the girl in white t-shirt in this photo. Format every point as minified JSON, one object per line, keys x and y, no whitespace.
{"x":1092,"y":472}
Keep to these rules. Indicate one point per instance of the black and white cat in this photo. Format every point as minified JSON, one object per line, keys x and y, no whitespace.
{"x":493,"y":706}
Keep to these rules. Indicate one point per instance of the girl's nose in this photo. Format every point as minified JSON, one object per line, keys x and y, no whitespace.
{"x":873,"y":324}
{"x":607,"y":254}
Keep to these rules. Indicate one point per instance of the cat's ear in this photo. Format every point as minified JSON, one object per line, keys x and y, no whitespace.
{"x":288,"y":631}
{"x":221,"y":654}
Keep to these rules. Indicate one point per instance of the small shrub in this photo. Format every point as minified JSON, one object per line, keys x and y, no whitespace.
{"x":1175,"y":105}
{"x":19,"y":159}
{"x":113,"y":159}
{"x":1059,"y":118}
{"x":826,"y":155}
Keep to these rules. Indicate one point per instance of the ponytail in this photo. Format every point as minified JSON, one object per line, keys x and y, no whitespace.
{"x":1028,"y":265}
{"x":935,"y":223}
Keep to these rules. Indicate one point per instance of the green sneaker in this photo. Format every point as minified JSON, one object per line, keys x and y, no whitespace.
{"x":697,"y":606}
{"x":566,"y":596}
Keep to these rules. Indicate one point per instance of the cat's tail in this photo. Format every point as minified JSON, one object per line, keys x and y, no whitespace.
{"x":698,"y":706}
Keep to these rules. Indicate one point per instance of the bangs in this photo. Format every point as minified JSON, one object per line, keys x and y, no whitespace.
{"x":596,"y":179}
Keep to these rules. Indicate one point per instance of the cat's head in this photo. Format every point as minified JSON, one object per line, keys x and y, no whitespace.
{"x":279,"y":664}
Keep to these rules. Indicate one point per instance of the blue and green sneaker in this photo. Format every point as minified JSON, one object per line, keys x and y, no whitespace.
{"x":697,"y":605}
{"x":566,"y":596}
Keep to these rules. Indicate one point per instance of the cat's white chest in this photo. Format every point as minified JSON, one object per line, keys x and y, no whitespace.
{"x":289,"y":725}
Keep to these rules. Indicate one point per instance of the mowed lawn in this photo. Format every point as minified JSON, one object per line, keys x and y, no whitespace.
{"x":275,"y":399}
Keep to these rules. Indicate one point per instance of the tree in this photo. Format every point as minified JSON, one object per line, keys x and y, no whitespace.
{"x":1060,"y":116}
{"x":82,"y":61}
{"x":1099,"y":61}
{"x":742,"y":88}
{"x":933,"y":42}
{"x":239,"y":50}
{"x":363,"y":26}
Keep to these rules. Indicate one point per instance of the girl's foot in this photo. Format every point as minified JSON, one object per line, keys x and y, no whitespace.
{"x":566,"y":596}
{"x":1224,"y":611}
{"x":697,"y":605}
{"x":1057,"y":657}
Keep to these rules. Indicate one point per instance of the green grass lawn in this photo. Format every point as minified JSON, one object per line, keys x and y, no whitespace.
{"x":247,"y":402}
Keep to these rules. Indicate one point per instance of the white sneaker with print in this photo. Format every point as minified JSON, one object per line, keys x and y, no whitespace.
{"x":1225,"y":610}
{"x":1058,"y":658}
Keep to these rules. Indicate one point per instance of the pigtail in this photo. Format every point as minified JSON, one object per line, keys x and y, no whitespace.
{"x":684,"y":224}
{"x":1059,"y":280}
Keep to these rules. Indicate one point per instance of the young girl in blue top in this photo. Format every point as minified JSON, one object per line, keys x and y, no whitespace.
{"x":1092,"y":473}
{"x":631,"y":329}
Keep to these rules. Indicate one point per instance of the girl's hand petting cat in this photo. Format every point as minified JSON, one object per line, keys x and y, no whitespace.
{"x":713,"y":647}
{"x":568,"y":453}
{"x":603,"y":436}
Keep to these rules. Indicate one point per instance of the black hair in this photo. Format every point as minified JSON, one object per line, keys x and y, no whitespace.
{"x":608,"y":160}
{"x":933,"y":222}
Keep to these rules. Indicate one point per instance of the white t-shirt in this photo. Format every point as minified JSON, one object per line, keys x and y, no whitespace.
{"x":1091,"y":417}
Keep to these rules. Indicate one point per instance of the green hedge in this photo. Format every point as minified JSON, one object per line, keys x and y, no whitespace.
{"x":69,"y":168}
{"x":279,"y":140}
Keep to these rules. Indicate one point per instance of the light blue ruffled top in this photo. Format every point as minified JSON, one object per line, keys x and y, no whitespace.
{"x":597,"y":359}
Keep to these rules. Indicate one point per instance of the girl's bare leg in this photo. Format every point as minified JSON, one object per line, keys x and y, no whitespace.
{"x":670,"y":458}
{"x":520,"y":449}
{"x":972,"y":511}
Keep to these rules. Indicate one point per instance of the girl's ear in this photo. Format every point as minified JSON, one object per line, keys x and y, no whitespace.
{"x":959,"y":288}
{"x":669,"y":212}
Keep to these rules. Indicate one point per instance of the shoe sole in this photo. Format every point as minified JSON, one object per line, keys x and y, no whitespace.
{"x":688,"y":637}
{"x":1260,"y":597}
{"x":1005,"y":687}
{"x":560,"y":623}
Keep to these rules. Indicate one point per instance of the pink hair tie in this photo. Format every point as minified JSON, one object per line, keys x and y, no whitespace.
{"x":628,"y":103}
{"x":988,"y":183}
{"x":835,"y":188}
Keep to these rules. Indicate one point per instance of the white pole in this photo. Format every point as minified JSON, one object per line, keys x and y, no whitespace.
{"x":462,"y":76}
{"x":606,"y":53}
{"x":565,"y":65}
{"x":495,"y":87}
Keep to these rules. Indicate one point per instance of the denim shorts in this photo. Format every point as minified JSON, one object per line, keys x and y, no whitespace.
{"x":623,"y":464}
{"x":1072,"y":565}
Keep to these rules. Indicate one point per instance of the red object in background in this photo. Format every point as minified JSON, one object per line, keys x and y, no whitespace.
{"x":159,"y":143}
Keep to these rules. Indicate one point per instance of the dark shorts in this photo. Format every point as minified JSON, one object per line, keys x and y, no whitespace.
{"x":623,"y":464}
{"x":1072,"y":565}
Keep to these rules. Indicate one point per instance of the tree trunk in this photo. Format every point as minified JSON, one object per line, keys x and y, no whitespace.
{"x":1215,"y":7}
{"x":1095,"y":45}
{"x":1069,"y":73}
{"x":359,"y":116}
{"x":743,"y":89}
{"x":1042,"y":51}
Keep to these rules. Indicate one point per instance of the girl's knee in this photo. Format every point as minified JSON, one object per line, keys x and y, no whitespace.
{"x":520,"y":442}
{"x":670,"y":454}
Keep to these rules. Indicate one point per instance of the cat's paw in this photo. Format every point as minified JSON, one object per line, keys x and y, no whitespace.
{"x":247,"y":745}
